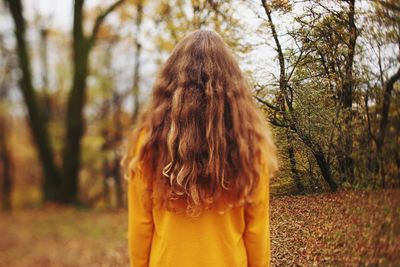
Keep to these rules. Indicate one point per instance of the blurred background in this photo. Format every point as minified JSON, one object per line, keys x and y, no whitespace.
{"x":74,"y":74}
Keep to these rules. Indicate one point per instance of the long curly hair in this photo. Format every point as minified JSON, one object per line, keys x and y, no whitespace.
{"x":203,"y":137}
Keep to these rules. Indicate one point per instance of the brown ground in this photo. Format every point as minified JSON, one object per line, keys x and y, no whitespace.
{"x":343,"y":229}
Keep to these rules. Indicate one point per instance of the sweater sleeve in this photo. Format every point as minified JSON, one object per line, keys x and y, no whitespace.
{"x":140,"y":223}
{"x":257,"y":230}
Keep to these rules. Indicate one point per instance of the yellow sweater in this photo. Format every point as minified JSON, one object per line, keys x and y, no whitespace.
{"x":239,"y":237}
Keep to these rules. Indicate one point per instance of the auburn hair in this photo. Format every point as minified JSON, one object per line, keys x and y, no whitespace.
{"x":203,"y":137}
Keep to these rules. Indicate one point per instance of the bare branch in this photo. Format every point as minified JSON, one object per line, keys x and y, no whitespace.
{"x":274,"y":121}
{"x":100,"y":19}
{"x":266,"y":103}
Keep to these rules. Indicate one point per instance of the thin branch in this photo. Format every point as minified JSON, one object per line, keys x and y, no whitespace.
{"x":295,"y":65}
{"x":266,"y":103}
{"x":100,"y":19}
{"x":277,"y":123}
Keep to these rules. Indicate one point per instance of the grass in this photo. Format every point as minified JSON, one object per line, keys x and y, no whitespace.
{"x":343,"y":229}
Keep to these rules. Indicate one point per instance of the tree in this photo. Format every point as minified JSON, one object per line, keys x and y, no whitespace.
{"x":37,"y":121}
{"x":138,"y":50}
{"x":6,"y":159}
{"x":384,"y":32}
{"x":60,"y":184}
{"x":284,"y":107}
{"x":82,"y":46}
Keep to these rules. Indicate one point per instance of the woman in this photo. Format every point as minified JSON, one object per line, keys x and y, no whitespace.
{"x":198,"y":164}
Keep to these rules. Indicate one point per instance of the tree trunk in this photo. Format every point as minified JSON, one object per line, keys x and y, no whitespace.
{"x":76,"y":101}
{"x":106,"y":186}
{"x":325,"y":168}
{"x":118,"y":182}
{"x":292,"y":159}
{"x":75,"y":123}
{"x":320,"y":157}
{"x":6,"y":166}
{"x":37,"y":122}
{"x":118,"y":135}
{"x":346,"y":98}
{"x":138,"y":51}
{"x":105,"y":134}
{"x":380,"y":139}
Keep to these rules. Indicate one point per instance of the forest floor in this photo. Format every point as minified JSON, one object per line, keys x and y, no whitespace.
{"x":343,"y":229}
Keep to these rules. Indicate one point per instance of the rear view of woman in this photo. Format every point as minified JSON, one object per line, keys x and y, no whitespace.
{"x":198,"y":164}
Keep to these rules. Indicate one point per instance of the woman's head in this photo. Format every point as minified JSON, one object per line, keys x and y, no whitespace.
{"x":204,"y":137}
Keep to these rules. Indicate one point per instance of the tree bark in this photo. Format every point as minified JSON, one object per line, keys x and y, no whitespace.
{"x":138,"y":50}
{"x":75,"y":123}
{"x":118,"y":135}
{"x":76,"y":101}
{"x":320,"y":157}
{"x":37,"y":122}
{"x":292,"y":159}
{"x":380,"y":139}
{"x":6,"y":166}
{"x":325,"y":168}
{"x":106,"y":186}
{"x":346,"y":99}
